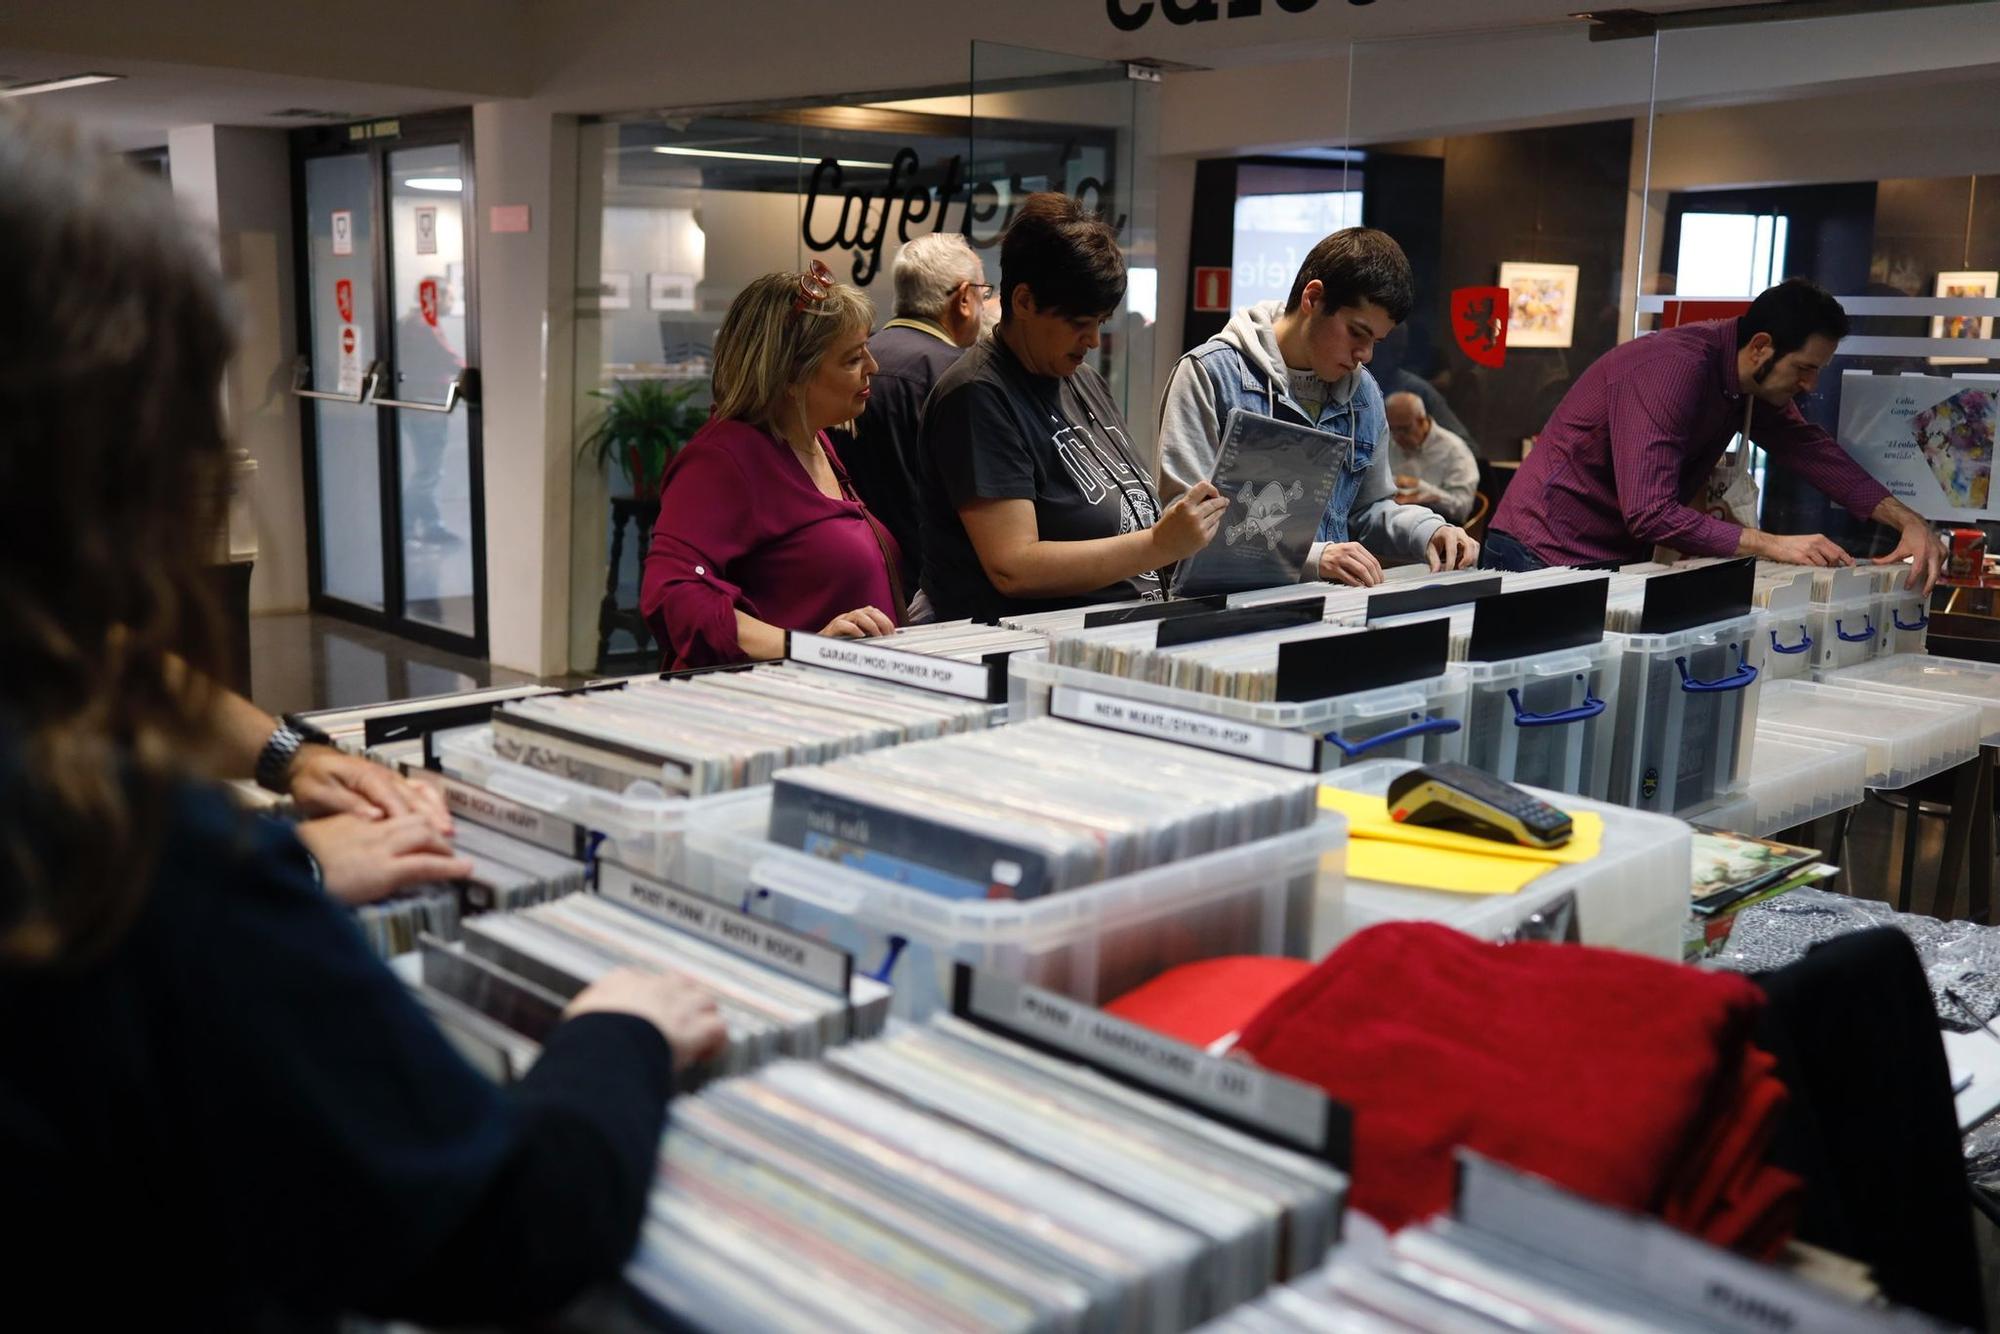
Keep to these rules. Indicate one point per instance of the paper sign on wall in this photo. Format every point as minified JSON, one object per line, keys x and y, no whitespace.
{"x":1928,"y":438}
{"x":350,"y":361}
{"x":427,"y":229}
{"x":507,"y":218}
{"x":343,"y":232}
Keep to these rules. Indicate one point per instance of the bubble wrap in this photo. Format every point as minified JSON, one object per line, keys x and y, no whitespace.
{"x":1961,"y":959}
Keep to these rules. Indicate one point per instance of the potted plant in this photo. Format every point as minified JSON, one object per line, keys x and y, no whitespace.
{"x":643,"y":425}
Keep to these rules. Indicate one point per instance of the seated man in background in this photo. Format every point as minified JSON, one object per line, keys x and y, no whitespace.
{"x":1304,"y":361}
{"x":941,"y":309}
{"x":1433,"y":467}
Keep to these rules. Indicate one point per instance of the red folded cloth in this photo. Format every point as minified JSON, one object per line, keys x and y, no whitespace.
{"x":1200,"y":1002}
{"x":1625,"y":1079}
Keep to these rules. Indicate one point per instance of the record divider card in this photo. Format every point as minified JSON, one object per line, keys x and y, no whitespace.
{"x":1713,"y":1287}
{"x":1271,"y":1107}
{"x":985,"y":681}
{"x":778,"y":948}
{"x":1206,"y":731}
{"x":470,"y":802}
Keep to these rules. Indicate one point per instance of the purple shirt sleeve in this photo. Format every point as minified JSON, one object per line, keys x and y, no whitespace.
{"x":707,"y":522}
{"x":1817,"y":457}
{"x":1651,"y":432}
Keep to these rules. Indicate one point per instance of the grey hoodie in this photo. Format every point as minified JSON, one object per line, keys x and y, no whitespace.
{"x":1242,"y":367}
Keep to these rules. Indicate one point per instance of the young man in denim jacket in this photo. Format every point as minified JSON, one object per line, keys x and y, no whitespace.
{"x":1305,"y":362}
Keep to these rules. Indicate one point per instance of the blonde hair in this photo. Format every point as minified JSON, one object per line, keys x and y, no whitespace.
{"x":766,"y":348}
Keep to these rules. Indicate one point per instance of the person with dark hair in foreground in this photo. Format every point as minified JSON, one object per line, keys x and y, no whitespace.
{"x":1033,"y":495}
{"x":218,"y":1111}
{"x":1305,"y":363}
{"x":1639,"y":432}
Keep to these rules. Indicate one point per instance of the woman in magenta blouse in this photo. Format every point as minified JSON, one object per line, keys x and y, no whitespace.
{"x":759,"y":530}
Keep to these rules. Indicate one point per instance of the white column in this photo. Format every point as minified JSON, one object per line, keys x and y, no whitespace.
{"x":523,"y":155}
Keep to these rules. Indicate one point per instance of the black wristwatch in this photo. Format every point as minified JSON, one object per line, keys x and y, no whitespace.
{"x":274,"y":762}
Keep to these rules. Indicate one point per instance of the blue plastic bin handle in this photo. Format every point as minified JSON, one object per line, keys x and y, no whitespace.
{"x":1590,"y":708}
{"x":1742,"y":677}
{"x":897,"y":944}
{"x":1867,"y":633}
{"x":1923,"y":619}
{"x":1803,"y":646}
{"x":1428,"y":727}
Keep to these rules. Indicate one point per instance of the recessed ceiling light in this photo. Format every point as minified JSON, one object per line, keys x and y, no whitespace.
{"x":447,"y":184}
{"x":763,"y":157}
{"x":57,"y":85}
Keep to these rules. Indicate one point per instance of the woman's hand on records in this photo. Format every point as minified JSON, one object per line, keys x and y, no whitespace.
{"x":1452,"y":548}
{"x":1349,"y":563}
{"x":861,"y":623}
{"x":1190,"y":523}
{"x":364,"y":858}
{"x":325,"y":781}
{"x":684,"y":1013}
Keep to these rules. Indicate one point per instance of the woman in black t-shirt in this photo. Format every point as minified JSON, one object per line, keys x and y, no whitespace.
{"x":1033,"y":496}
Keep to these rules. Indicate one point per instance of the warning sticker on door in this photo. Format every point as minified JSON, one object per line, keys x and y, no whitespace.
{"x":350,"y":362}
{"x":427,"y":299}
{"x":343,"y":299}
{"x":343,"y":232}
{"x":427,"y":229}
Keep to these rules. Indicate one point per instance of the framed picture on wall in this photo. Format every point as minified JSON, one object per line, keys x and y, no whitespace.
{"x":1543,"y":303}
{"x":1975,"y":284}
{"x":614,"y":291}
{"x":670,"y":291}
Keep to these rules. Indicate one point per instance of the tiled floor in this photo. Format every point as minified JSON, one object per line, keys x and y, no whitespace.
{"x":305,"y":661}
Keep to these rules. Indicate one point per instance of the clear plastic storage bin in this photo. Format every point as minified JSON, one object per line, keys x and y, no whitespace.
{"x":1788,"y":634}
{"x":645,"y":827}
{"x":1907,"y":738}
{"x":1955,"y":680}
{"x":1545,"y":720}
{"x":1633,"y":896}
{"x":1846,"y":622}
{"x":1422,"y":721}
{"x":1093,"y":943}
{"x":1795,"y":778}
{"x":1687,"y":706}
{"x":1905,"y":619}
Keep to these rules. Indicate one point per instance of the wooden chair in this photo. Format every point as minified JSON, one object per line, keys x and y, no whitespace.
{"x":1475,"y":523}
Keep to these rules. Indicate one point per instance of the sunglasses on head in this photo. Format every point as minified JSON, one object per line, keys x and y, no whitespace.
{"x":815,"y":284}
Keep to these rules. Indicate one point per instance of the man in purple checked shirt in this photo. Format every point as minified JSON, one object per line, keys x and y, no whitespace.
{"x":1639,"y":432}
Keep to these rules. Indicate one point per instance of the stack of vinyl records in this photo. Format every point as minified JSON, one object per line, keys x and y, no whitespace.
{"x":349,"y":727}
{"x":962,"y":641}
{"x":1541,"y":1258}
{"x":945,"y":1178}
{"x":518,"y":969}
{"x":507,"y":874}
{"x":1032,"y":809}
{"x":717,"y":732}
{"x":1240,"y":667}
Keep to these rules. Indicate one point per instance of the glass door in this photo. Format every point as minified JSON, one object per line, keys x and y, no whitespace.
{"x":392,"y":428}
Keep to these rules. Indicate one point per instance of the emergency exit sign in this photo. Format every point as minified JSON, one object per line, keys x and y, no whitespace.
{"x":1211,"y":289}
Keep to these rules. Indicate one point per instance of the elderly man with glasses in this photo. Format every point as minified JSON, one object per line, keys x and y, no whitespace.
{"x":943,"y":303}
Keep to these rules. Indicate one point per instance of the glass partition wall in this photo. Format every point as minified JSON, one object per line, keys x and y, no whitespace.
{"x":677,"y":212}
{"x":1617,"y":181}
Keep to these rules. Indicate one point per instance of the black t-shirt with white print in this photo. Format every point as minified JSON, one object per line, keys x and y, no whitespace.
{"x":994,"y":431}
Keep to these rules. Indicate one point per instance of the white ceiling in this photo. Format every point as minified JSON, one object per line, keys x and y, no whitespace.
{"x":229,"y":62}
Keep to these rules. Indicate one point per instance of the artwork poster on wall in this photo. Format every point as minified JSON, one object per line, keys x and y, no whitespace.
{"x":1542,"y":310}
{"x":1976,"y":283}
{"x":1928,"y":438}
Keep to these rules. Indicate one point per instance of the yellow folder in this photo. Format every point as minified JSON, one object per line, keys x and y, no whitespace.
{"x":1383,"y":850}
